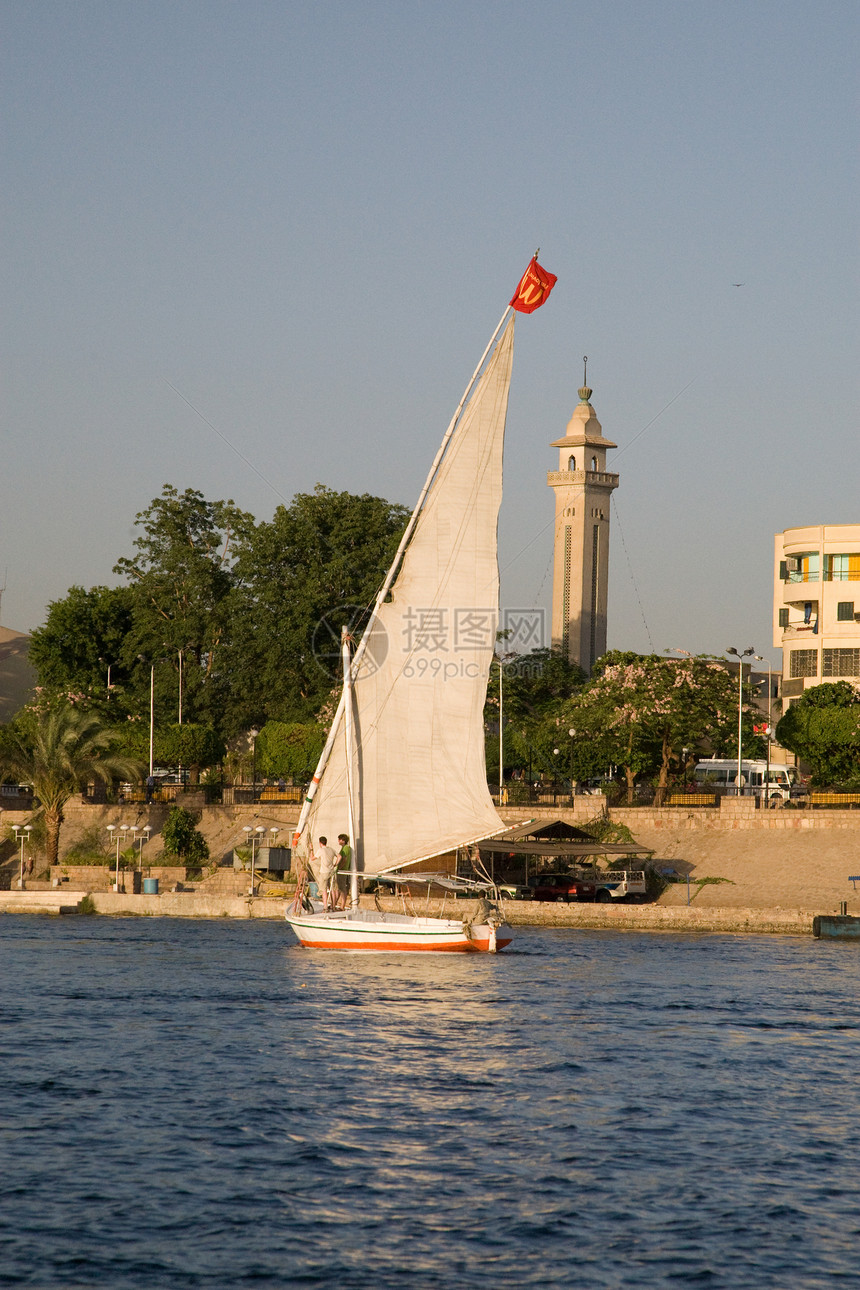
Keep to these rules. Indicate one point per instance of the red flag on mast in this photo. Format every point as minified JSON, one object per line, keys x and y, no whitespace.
{"x":535,"y":286}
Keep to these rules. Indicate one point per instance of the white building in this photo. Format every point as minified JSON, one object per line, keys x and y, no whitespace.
{"x":816,"y":605}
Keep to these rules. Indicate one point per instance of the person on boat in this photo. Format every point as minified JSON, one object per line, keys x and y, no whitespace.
{"x":325,"y":866}
{"x":344,"y":864}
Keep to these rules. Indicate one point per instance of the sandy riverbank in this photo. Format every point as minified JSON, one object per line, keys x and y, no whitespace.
{"x":765,"y":870}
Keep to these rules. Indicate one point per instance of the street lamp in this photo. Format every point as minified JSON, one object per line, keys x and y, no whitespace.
{"x":146,"y":831}
{"x":115,"y":833}
{"x":502,"y":659}
{"x":252,"y":734}
{"x":740,"y":655}
{"x":761,"y":659}
{"x":22,"y":832}
{"x":151,"y":705}
{"x":112,"y":833}
{"x":254,"y":837}
{"x":151,"y":713}
{"x":109,"y":665}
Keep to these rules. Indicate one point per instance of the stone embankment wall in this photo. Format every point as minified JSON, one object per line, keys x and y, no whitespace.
{"x":782,"y":858}
{"x":630,"y":918}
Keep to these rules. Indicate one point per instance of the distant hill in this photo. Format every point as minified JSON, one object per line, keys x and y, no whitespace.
{"x":17,"y":677}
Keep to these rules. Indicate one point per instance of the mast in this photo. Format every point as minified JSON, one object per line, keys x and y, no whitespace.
{"x":347,"y":730}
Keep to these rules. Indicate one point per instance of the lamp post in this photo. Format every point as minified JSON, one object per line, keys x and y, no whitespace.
{"x":151,"y":712}
{"x":114,"y":833}
{"x":22,"y":832}
{"x":254,"y":837}
{"x":740,"y":655}
{"x":501,"y":729}
{"x":123,"y":828}
{"x":761,"y":659}
{"x":502,"y":659}
{"x":144,"y":837}
{"x":109,"y":665}
{"x":252,"y":735}
{"x":152,"y":705}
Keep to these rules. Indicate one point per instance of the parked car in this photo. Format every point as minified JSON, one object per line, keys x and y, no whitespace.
{"x":562,"y":886}
{"x":515,"y":891}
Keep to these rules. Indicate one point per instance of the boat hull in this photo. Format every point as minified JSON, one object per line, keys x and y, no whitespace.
{"x":397,"y":933}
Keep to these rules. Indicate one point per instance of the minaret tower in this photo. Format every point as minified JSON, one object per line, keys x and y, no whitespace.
{"x":582,"y":488}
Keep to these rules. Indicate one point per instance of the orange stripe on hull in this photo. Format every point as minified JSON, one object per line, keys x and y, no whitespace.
{"x":445,"y":947}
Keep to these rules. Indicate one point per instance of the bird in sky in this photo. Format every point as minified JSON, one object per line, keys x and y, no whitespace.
{"x":737,"y":284}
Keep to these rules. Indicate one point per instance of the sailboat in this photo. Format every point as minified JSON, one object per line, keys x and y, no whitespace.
{"x":403,"y":771}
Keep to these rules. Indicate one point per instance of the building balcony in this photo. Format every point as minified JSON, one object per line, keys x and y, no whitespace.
{"x":596,"y":478}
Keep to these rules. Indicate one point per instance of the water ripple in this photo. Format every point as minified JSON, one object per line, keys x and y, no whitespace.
{"x":204,"y":1105}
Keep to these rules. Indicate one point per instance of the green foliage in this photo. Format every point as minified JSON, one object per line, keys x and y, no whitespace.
{"x":536,"y":691}
{"x":317,"y":566}
{"x":640,"y":710}
{"x":823,"y":729}
{"x":65,"y":748}
{"x":82,"y":636}
{"x":603,"y":830}
{"x":181,"y":583}
{"x":247,"y":615}
{"x":86,"y":905}
{"x":289,"y":748}
{"x":182,"y":838}
{"x":190,"y":744}
{"x":91,"y":847}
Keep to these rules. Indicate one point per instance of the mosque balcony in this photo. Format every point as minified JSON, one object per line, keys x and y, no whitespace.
{"x":594,"y":478}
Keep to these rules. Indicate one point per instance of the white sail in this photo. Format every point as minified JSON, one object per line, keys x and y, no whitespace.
{"x":421,"y":683}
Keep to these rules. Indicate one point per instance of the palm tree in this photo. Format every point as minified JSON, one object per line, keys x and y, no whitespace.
{"x":70,"y":747}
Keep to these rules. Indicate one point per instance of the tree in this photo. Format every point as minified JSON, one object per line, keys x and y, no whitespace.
{"x":242,"y":621}
{"x":69,"y":747}
{"x":182,"y":838}
{"x":823,"y":729}
{"x":317,"y":565}
{"x":536,"y":691}
{"x":640,"y":710}
{"x":181,"y":582}
{"x":82,"y":638}
{"x":290,"y":748}
{"x":191,"y":745}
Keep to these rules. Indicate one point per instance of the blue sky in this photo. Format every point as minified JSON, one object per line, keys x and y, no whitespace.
{"x":307,"y":219}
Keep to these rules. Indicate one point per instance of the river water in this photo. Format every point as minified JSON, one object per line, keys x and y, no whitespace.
{"x":204,"y":1104}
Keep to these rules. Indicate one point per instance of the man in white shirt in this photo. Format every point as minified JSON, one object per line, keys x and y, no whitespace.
{"x":325,"y":864}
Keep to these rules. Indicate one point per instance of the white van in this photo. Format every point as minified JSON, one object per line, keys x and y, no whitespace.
{"x":772,"y":781}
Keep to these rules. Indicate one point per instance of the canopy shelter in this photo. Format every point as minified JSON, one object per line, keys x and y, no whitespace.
{"x":554,"y":838}
{"x":574,"y":850}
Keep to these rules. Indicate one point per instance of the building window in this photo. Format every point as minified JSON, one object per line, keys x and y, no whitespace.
{"x":842,"y":568}
{"x":845,"y":611}
{"x":803,"y":568}
{"x":571,"y":463}
{"x":594,"y":463}
{"x":783,"y":618}
{"x":803,"y":662}
{"x":841,"y":662}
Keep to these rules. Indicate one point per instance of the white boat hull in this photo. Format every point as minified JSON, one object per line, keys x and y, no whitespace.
{"x":366,"y":929}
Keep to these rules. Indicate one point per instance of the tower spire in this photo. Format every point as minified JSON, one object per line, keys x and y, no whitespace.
{"x":583,"y":488}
